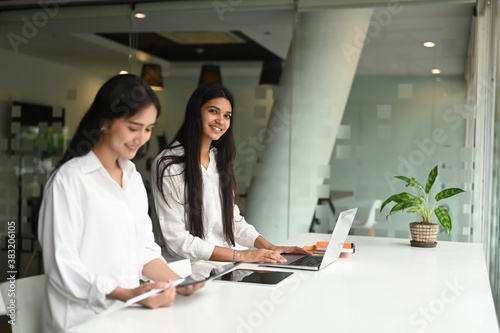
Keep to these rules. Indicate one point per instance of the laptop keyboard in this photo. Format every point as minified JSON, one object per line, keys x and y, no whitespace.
{"x":311,"y":261}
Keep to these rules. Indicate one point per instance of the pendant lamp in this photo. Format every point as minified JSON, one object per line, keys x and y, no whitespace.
{"x":210,"y":74}
{"x":152,"y":74}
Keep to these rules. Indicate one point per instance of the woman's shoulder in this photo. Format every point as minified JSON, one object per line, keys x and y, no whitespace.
{"x":69,"y":172}
{"x":168,"y":156}
{"x":72,"y":167}
{"x":175,"y":149}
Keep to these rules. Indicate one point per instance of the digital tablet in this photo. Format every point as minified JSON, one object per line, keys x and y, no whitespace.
{"x":251,"y":276}
{"x":197,"y":278}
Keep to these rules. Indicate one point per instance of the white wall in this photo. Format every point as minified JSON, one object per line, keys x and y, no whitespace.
{"x":33,"y":80}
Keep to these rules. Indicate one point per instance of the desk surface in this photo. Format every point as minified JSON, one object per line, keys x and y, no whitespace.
{"x":386,"y":286}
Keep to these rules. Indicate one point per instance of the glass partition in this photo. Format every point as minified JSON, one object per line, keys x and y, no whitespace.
{"x":395,"y":116}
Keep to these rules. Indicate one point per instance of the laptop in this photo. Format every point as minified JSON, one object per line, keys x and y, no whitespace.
{"x":332,"y":253}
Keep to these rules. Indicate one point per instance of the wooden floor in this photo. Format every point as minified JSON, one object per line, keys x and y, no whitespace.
{"x":4,"y":325}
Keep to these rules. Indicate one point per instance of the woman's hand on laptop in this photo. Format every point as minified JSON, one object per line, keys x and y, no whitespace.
{"x":262,"y":243}
{"x":290,"y":250}
{"x":261,"y":255}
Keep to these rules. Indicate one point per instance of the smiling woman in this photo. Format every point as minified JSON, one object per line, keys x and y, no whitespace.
{"x":123,"y":137}
{"x":195,"y":188}
{"x":216,"y":119}
{"x":95,"y":206}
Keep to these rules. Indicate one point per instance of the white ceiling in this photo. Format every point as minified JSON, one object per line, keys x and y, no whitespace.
{"x":398,"y":49}
{"x":394,"y":49}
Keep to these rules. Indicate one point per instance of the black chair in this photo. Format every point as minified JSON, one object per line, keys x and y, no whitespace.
{"x":34,"y":203}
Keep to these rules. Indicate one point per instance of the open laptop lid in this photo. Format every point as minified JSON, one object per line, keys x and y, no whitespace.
{"x":339,"y":236}
{"x":335,"y":245}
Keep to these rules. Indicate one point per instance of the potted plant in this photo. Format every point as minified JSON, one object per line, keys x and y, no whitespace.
{"x":424,"y":232}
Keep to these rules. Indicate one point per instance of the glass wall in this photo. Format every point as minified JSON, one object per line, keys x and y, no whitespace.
{"x":401,"y":119}
{"x":357,"y":104}
{"x":490,"y":15}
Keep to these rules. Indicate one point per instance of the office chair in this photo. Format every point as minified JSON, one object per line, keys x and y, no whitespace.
{"x":371,"y":220}
{"x":34,"y":203}
{"x":29,"y":298}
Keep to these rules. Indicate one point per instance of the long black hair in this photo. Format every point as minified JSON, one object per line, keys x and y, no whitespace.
{"x":190,"y":138}
{"x":122,"y":96}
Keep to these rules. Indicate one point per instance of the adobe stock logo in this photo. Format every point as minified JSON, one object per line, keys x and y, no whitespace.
{"x":30,"y":27}
{"x":381,"y":18}
{"x":225,"y":6}
{"x":426,"y":315}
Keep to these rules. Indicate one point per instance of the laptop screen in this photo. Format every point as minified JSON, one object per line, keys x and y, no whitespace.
{"x":339,"y":235}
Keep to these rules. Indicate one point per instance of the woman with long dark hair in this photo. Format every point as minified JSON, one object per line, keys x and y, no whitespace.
{"x":94,"y":226}
{"x":194,"y":187}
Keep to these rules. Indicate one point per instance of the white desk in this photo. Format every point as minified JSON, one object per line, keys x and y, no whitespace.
{"x":386,"y":286}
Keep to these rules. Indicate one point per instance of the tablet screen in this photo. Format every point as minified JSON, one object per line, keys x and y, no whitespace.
{"x":254,"y":276}
{"x":197,"y":278}
{"x":192,"y":279}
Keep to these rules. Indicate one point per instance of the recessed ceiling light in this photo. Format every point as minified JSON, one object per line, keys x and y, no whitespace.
{"x":429,"y":44}
{"x":140,"y":15}
{"x":123,"y":72}
{"x":436,"y":71}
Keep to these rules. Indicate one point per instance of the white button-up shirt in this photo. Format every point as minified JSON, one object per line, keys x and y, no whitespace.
{"x":172,"y":216}
{"x":95,"y":236}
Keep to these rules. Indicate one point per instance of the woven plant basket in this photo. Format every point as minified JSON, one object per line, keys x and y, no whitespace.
{"x":424,"y":234}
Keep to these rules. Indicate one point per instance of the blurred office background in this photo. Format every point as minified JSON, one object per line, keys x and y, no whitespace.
{"x":333,"y":99}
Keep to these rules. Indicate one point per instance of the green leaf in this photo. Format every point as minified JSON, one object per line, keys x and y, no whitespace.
{"x":448,"y":193}
{"x":430,"y":180}
{"x":413,"y":210}
{"x":403,"y":178}
{"x":404,"y":205}
{"x":444,"y":218}
{"x":411,"y":182}
{"x":403,"y":196}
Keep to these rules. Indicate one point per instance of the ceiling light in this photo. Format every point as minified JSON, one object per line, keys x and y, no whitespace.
{"x":139,"y":15}
{"x":429,"y":44}
{"x":123,"y":72}
{"x":151,"y":73}
{"x":142,"y":56}
{"x":210,"y":74}
{"x":436,"y":71}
